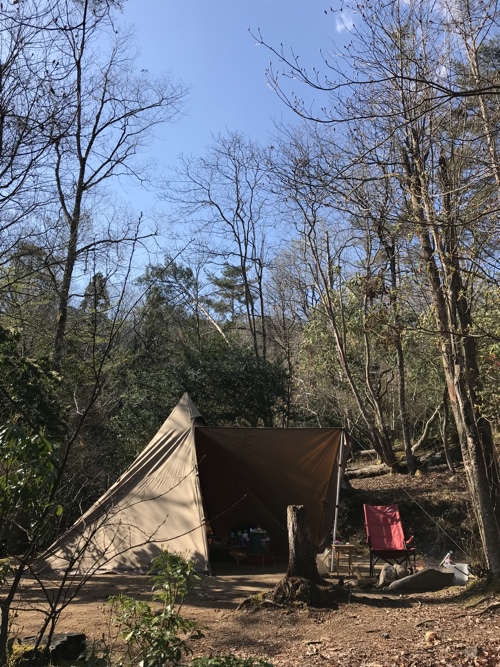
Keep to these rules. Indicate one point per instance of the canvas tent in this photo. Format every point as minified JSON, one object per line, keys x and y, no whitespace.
{"x":191,"y":475}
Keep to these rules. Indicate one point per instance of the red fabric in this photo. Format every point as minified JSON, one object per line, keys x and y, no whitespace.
{"x":384,"y":531}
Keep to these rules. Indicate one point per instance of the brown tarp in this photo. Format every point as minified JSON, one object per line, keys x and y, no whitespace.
{"x":249,"y":476}
{"x":190,"y":476}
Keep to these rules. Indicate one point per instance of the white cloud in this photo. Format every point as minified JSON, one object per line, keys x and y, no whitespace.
{"x":344,"y":21}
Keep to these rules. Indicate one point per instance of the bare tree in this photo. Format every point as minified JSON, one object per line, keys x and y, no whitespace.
{"x":106,"y":112}
{"x":224,"y":193}
{"x":303,"y":179}
{"x":290,"y":304}
{"x":383,"y":93}
{"x":77,"y":116}
{"x":26,"y":75}
{"x":392,"y":89}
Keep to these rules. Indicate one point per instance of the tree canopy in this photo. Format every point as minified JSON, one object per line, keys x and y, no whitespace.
{"x":346,"y":274}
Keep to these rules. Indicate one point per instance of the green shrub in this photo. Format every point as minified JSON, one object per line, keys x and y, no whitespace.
{"x":230,"y":661}
{"x":26,"y":655}
{"x":154,"y":636}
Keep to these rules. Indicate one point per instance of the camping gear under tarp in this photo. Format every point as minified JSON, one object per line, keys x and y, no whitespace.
{"x":190,"y":476}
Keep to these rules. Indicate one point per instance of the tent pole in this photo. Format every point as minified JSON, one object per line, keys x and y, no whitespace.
{"x":339,"y":479}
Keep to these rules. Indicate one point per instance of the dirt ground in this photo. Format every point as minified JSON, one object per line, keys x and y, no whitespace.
{"x":453,"y":627}
{"x":374,"y":629}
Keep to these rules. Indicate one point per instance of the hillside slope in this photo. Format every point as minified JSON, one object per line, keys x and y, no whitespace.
{"x":434,"y":506}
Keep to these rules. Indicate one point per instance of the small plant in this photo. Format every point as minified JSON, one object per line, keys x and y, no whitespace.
{"x":173,"y":578}
{"x":230,"y":661}
{"x":156,"y":636}
{"x":24,"y":655}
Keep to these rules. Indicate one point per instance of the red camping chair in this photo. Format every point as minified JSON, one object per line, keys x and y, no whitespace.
{"x":385,"y":537}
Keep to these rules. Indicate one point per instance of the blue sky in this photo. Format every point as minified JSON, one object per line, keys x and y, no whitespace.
{"x":207,"y":44}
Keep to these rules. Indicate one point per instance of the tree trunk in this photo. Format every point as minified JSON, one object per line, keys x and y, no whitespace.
{"x":65,"y":289}
{"x":302,"y":554}
{"x":390,"y":250}
{"x":302,"y":583}
{"x":444,"y":432}
{"x":458,"y":354}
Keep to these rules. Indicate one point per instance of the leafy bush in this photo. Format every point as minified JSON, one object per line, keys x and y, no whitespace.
{"x":230,"y":661}
{"x":173,"y":578}
{"x":154,"y":635}
{"x":24,"y":655}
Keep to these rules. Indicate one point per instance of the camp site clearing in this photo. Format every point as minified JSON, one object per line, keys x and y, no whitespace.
{"x":449,"y":627}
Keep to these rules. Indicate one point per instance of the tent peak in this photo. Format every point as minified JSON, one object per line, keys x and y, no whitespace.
{"x":187,"y":406}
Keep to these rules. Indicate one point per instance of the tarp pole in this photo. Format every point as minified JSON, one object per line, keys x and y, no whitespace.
{"x":339,"y":480}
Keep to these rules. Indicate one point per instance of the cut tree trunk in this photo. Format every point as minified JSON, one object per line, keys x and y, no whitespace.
{"x":302,"y":583}
{"x":302,"y":554}
{"x":362,"y":472}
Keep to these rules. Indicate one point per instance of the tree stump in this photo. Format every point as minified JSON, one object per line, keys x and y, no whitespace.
{"x":302,"y":584}
{"x":302,"y":554}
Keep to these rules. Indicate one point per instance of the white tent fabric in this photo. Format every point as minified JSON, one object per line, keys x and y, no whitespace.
{"x":156,"y":502}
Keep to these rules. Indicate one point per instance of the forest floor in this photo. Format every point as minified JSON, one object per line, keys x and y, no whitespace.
{"x":456,"y":626}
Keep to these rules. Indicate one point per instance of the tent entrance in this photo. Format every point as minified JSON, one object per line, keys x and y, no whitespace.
{"x":249,"y":476}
